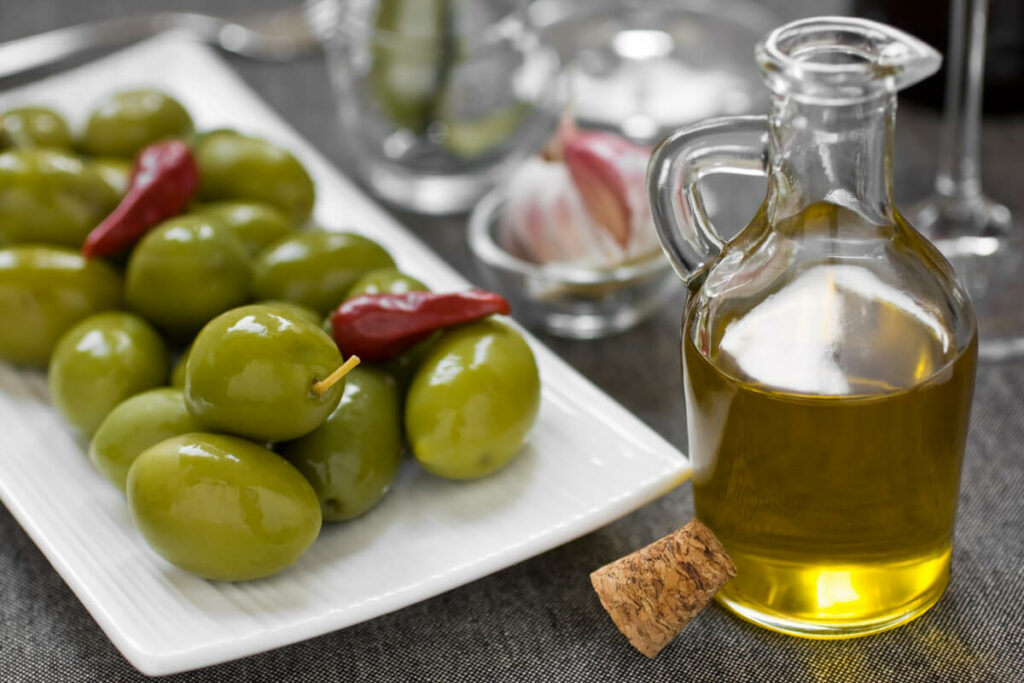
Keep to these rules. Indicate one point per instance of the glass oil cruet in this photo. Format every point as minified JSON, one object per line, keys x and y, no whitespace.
{"x":828,"y":349}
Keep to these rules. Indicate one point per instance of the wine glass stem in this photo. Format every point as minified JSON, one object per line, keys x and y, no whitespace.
{"x":959,"y":178}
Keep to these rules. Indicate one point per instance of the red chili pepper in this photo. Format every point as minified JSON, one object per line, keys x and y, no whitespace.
{"x":380,"y":326}
{"x":164,"y":178}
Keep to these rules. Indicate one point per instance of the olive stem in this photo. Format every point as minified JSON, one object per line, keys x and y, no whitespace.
{"x":323,"y":386}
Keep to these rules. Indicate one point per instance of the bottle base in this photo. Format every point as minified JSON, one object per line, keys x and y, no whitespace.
{"x":835,"y":629}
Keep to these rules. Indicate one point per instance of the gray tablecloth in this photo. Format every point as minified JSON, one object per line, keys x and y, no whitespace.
{"x":540,"y":620}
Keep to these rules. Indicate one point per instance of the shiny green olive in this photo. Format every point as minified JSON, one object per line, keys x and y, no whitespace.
{"x":251,"y":372}
{"x":222,"y":507}
{"x":404,"y":366}
{"x":233,"y":166}
{"x":44,"y":291}
{"x":186,"y":271}
{"x":385,"y":281}
{"x":472,"y":401}
{"x":293,"y":309}
{"x":198,"y":136}
{"x":316,"y":268}
{"x":49,"y":197}
{"x":34,"y":127}
{"x":178,"y":371}
{"x":136,"y":424}
{"x":352,"y":458}
{"x":256,"y":224}
{"x":126,"y":122}
{"x":100,"y":362}
{"x":115,"y":172}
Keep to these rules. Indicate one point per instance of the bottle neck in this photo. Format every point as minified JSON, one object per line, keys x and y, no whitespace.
{"x":840,"y":155}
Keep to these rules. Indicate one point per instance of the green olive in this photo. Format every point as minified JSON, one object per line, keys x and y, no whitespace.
{"x":222,"y":507}
{"x":352,"y":458}
{"x":126,"y":122}
{"x":404,"y":366}
{"x":251,"y":372}
{"x":472,"y":401}
{"x":316,"y":268}
{"x":34,"y":127}
{"x":44,"y":291}
{"x":100,"y":362}
{"x":136,"y":424}
{"x":233,"y":166}
{"x":197,"y":137}
{"x":178,"y":371}
{"x":385,"y":281}
{"x":256,"y":224}
{"x":115,"y":172}
{"x":293,"y":309}
{"x":186,"y":271}
{"x":49,"y":197}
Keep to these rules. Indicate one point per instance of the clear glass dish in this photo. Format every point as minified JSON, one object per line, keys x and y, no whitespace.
{"x":437,"y":102}
{"x":642,"y":68}
{"x":569,"y":301}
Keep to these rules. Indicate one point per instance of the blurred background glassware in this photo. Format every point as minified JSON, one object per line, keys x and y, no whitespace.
{"x":274,"y":36}
{"x":1004,"y":47}
{"x":975,"y":233}
{"x":568,"y":300}
{"x":643,"y":68}
{"x":439,"y":98}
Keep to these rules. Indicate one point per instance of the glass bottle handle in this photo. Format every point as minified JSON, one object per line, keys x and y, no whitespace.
{"x":736,"y":145}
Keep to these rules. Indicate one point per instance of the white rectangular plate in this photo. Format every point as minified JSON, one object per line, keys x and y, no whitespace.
{"x":589,"y":461}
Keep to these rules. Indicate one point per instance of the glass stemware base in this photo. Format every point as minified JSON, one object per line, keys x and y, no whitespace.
{"x":977,"y":235}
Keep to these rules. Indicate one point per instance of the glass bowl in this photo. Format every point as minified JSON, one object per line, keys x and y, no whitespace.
{"x":643,"y":68}
{"x":569,"y":301}
{"x":435,"y":108}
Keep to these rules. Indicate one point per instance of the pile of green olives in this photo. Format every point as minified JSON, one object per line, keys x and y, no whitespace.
{"x":199,"y":364}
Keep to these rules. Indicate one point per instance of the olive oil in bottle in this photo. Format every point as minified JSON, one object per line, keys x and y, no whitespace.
{"x":827,"y":423}
{"x":828,"y":348}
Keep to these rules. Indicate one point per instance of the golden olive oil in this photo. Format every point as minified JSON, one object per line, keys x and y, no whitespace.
{"x":827,"y":425}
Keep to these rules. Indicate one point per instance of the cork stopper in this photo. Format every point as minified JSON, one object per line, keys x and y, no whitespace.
{"x":652,"y":594}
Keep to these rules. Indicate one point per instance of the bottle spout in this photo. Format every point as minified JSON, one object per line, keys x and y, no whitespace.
{"x":836,"y":60}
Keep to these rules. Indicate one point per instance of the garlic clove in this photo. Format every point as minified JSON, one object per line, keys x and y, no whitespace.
{"x":600,"y":185}
{"x":583,"y":201}
{"x":545,"y":221}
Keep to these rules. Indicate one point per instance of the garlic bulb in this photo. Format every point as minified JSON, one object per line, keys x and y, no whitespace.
{"x":583,"y":203}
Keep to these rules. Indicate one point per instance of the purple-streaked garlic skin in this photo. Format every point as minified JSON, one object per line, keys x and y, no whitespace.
{"x":587,"y":208}
{"x":599,"y":166}
{"x":545,"y":221}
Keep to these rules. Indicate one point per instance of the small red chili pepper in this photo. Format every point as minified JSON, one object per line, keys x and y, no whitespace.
{"x":376,"y":327}
{"x":163,"y":180}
